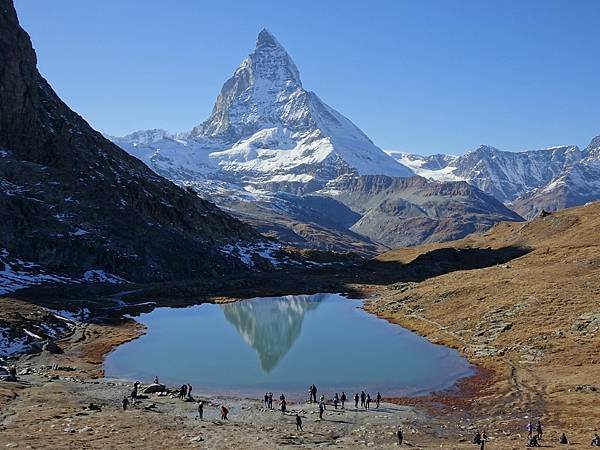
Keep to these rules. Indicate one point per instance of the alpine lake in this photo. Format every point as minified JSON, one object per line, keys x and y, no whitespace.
{"x":284,"y":344}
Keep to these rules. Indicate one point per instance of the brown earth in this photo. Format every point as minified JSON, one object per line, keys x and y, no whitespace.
{"x":534,"y":321}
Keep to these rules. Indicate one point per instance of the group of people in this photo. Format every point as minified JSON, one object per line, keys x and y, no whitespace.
{"x":185,"y":392}
{"x":269,"y":400}
{"x":534,"y":433}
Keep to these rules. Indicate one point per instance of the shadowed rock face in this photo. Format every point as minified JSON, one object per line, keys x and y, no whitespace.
{"x":271,"y":326}
{"x":408,"y":211}
{"x":72,"y":201}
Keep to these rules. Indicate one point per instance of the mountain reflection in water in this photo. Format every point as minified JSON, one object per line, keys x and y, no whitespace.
{"x":271,"y":325}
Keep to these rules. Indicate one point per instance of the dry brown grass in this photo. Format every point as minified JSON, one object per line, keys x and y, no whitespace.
{"x":517,"y":318}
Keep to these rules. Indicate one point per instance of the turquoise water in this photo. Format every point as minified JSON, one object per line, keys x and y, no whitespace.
{"x":284,"y":344}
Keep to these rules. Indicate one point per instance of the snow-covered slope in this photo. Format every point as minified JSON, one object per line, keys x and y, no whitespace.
{"x":265,"y":130}
{"x":528,"y":181}
{"x":577,"y":184}
{"x":502,"y":174}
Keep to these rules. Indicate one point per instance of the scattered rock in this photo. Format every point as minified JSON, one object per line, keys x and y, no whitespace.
{"x":587,"y":323}
{"x":154,"y":388}
{"x":51,"y":346}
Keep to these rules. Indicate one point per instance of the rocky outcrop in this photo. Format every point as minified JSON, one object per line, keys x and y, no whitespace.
{"x":408,"y":211}
{"x":72,"y":201}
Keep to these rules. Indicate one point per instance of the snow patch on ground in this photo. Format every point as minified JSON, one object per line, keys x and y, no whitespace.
{"x":11,"y":346}
{"x":100,"y":276}
{"x":81,"y":315}
{"x":245,"y":252}
{"x":16,"y":274}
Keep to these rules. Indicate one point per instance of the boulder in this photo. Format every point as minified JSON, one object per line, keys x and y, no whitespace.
{"x":51,"y":346}
{"x":154,"y":388}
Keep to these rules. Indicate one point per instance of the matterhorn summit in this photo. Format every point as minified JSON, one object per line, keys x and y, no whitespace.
{"x":265,"y":132}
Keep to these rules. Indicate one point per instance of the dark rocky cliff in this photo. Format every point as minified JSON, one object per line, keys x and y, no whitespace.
{"x":72,"y":201}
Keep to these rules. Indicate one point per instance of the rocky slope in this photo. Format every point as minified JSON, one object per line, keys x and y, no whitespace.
{"x":74,"y":205}
{"x":527,"y":181}
{"x":401,"y":212}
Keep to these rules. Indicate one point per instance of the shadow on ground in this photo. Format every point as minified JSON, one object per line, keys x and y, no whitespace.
{"x":114,"y":300}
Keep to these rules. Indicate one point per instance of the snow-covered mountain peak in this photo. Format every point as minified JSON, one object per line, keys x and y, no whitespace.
{"x":266,"y":130}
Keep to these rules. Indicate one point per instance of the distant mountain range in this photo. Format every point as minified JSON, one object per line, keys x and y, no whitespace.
{"x":527,"y":182}
{"x":276,"y":156}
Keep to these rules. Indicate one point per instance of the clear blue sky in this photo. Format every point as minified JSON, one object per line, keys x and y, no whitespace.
{"x":421,"y":76}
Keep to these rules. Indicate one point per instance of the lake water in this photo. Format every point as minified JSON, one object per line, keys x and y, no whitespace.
{"x":283,"y":344}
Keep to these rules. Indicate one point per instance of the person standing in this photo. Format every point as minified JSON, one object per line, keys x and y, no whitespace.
{"x":356,"y":401}
{"x":156,"y":380}
{"x":314,"y":392}
{"x":270,"y":400}
{"x":343,"y":399}
{"x":321,"y":409}
{"x":283,"y":405}
{"x":538,"y":430}
{"x":266,"y":400}
{"x":529,"y":430}
{"x":125,"y":403}
{"x":363,"y":397}
{"x":400,"y":436}
{"x":368,"y":401}
{"x":224,"y":412}
{"x":201,"y":409}
{"x":483,"y":440}
{"x":189,"y":391}
{"x":298,"y":423}
{"x":336,"y":400}
{"x":377,"y":399}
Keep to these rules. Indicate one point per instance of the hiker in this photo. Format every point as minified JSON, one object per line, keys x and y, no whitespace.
{"x":182,"y":392}
{"x":189,"y":391}
{"x":477,"y":438}
{"x":356,"y":401}
{"x":224,"y":412}
{"x":270,"y":400}
{"x":266,"y":399}
{"x":134,"y":392}
{"x":298,"y":423}
{"x":533,"y":442}
{"x":563,"y":439}
{"x":313,"y":392}
{"x":125,"y":403}
{"x":281,"y":397}
{"x":368,"y":401}
{"x":400,"y":436}
{"x":283,"y":405}
{"x":343,"y":399}
{"x":156,"y":380}
{"x":538,"y":430}
{"x":321,"y":409}
{"x":322,"y":400}
{"x":336,"y":400}
{"x":362,"y":398}
{"x":529,"y":430}
{"x":595,"y":441}
{"x":377,"y":399}
{"x":200,"y":409}
{"x":310,"y":393}
{"x":483,"y":440}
